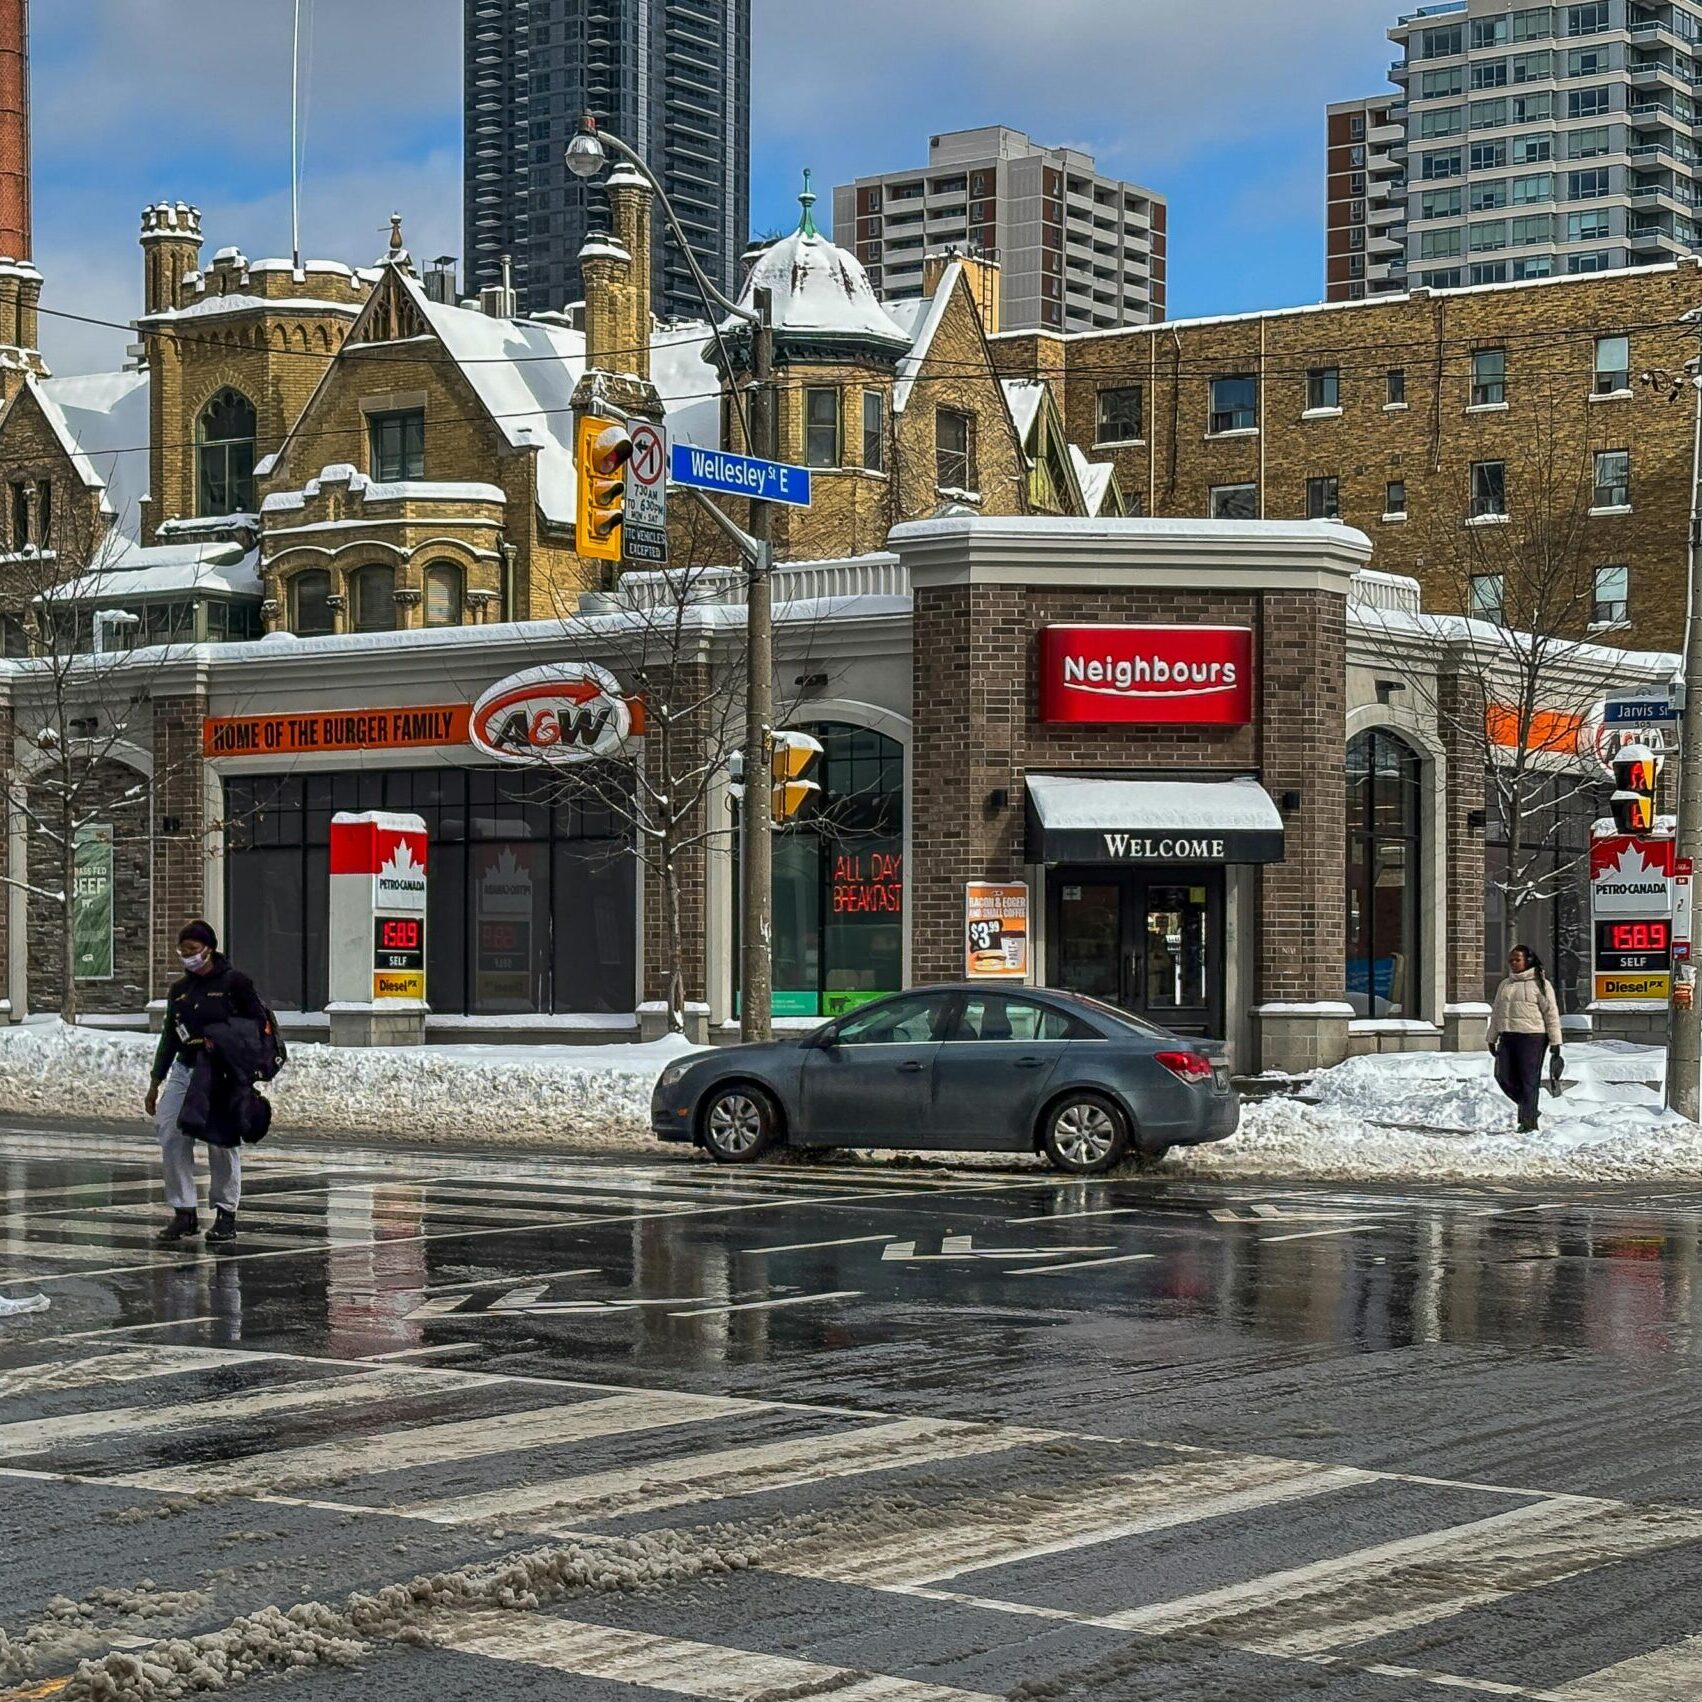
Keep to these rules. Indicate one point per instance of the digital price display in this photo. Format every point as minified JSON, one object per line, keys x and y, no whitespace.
{"x":398,"y":942}
{"x":1627,"y":947}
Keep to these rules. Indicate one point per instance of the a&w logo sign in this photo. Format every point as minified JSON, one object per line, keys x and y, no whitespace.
{"x":560,"y":713}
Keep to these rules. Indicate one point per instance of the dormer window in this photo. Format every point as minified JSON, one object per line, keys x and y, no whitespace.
{"x":398,"y":446}
{"x":224,"y":452}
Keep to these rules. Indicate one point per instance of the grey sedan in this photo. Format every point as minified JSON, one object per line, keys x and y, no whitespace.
{"x":954,"y":1069}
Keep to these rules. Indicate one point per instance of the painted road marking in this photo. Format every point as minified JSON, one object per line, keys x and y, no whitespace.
{"x":769,"y":1305}
{"x":39,"y":1435}
{"x":1263,"y":1212}
{"x":1376,"y":1592}
{"x":673,"y":1665}
{"x":1663,"y":1675}
{"x":678,"y":1482}
{"x":1081,"y":1264}
{"x":16,"y":1247}
{"x":984,"y":1533}
{"x":127,"y":1365}
{"x":963,"y":1247}
{"x":443,"y":1444}
{"x":810,"y":1246}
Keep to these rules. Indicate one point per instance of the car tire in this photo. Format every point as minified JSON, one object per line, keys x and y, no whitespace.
{"x":740,"y":1123}
{"x":1085,"y":1134}
{"x":1151,"y":1158}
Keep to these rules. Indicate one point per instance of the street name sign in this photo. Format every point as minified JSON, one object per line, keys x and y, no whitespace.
{"x":644,"y":526}
{"x":1651,"y":711}
{"x":740,"y":475}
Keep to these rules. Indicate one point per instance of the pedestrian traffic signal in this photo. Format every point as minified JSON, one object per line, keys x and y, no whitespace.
{"x":603,"y":448}
{"x":1635,"y":769}
{"x":793,"y":755}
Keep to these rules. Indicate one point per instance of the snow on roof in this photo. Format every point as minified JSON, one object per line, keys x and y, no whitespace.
{"x":1024,"y":396}
{"x":524,"y":372}
{"x":1094,"y":477}
{"x":924,"y":337}
{"x":1069,"y":801}
{"x":406,"y":490}
{"x":690,"y":387}
{"x":105,"y":414}
{"x":819,"y":287}
{"x":129,"y":570}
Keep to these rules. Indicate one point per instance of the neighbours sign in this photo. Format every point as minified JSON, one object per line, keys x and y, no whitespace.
{"x":1174,"y":675}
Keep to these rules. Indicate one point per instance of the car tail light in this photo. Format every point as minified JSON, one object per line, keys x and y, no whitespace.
{"x":1190,"y":1067}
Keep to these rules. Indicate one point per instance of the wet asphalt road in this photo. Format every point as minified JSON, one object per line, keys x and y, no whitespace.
{"x":648,"y":1429}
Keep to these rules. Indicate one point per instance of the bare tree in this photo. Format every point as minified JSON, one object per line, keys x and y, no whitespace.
{"x":1516,"y":682}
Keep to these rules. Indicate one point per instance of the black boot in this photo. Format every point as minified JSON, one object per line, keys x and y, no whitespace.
{"x":224,"y":1226}
{"x":185,"y":1221}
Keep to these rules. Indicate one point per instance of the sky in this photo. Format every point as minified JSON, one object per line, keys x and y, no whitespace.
{"x":1216,"y":104}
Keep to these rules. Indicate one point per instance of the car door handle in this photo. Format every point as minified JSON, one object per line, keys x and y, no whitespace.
{"x":1029,"y":1063}
{"x":911,"y":1069}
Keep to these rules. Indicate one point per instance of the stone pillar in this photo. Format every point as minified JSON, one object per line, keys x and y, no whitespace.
{"x":180,"y":827}
{"x":29,"y":307}
{"x":1460,"y":710}
{"x":629,"y":206}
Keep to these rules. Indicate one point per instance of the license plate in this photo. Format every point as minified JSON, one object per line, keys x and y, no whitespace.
{"x":1220,"y":1077}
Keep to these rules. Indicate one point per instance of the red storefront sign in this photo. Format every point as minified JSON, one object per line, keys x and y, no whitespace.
{"x":1171,"y":675}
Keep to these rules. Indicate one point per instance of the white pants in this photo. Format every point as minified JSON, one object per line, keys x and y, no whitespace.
{"x":177,"y":1150}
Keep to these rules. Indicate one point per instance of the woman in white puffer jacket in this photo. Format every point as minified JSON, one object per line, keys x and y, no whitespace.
{"x":1524,"y":1023}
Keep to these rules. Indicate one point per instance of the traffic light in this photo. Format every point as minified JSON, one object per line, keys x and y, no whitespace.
{"x":603,"y":449}
{"x":1634,"y":779}
{"x":793,"y":755}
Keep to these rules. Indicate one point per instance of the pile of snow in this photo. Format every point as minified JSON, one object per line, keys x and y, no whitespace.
{"x":1439,"y":1116}
{"x":572,"y":1097}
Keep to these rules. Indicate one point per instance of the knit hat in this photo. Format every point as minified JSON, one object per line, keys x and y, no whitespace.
{"x":200,"y":932}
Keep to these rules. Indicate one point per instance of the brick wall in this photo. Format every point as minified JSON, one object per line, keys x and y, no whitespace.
{"x":690,"y":738}
{"x":1459,"y":707}
{"x":180,"y":829}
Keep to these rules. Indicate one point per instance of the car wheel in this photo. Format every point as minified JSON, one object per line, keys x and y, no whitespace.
{"x":740,"y":1124}
{"x":1151,"y":1160}
{"x":1085,"y":1134}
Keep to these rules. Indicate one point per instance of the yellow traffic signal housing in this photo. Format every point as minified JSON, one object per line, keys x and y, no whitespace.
{"x":1635,"y":771}
{"x":603,"y":448}
{"x":794,"y":753}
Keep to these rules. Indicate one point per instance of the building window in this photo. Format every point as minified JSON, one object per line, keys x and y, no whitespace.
{"x":1588,"y":185}
{"x":1532,"y":150}
{"x":1356,"y":127}
{"x":1589,"y":144}
{"x":1588,"y":103}
{"x":1488,"y":156}
{"x":32,"y":514}
{"x":1120,"y":415}
{"x":1442,"y":121}
{"x":1384,"y":812}
{"x":1234,"y":403}
{"x":374,"y":599}
{"x":1489,"y":32}
{"x":1613,"y":478}
{"x":224,"y":454}
{"x":1444,"y":163}
{"x":398,"y":446}
{"x":1323,"y":498}
{"x":1394,"y":498}
{"x":1587,"y":20}
{"x":821,"y":428}
{"x":1613,"y":365}
{"x":310,"y":603}
{"x":1323,"y":388}
{"x":954,"y":450}
{"x":1440,"y":204}
{"x":1234,"y":502}
{"x":1488,"y":597}
{"x":1442,"y":42}
{"x":1489,"y":489}
{"x":1396,"y":383}
{"x":1612,"y":601}
{"x":444,"y":594}
{"x":1489,"y":378}
{"x":874,"y":431}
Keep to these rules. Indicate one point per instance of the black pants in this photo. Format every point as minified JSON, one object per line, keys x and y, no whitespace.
{"x":1518,"y":1072}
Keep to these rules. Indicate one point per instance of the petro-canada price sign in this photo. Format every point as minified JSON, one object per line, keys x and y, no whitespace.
{"x":1631,"y":910}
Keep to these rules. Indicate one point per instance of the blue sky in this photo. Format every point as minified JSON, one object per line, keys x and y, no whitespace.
{"x":1218,"y":104}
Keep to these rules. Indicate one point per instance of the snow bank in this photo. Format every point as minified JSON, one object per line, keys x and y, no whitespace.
{"x":1440,"y":1117}
{"x":569,"y":1097}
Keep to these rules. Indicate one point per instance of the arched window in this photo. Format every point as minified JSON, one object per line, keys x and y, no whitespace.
{"x":310,"y":603}
{"x":224,"y":451}
{"x":1384,"y":779}
{"x":443,"y":594}
{"x":375,"y":599}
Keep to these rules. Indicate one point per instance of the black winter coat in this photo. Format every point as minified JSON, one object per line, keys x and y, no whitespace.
{"x":221,"y":1106}
{"x":197,"y":1001}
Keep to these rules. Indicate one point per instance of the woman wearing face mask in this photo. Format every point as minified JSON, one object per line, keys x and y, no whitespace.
{"x":211,"y":991}
{"x":1525,"y":1022}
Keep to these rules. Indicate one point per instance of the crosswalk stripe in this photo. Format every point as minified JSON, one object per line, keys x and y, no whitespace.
{"x":1096,"y":1510}
{"x":16,"y":1247}
{"x":675,"y":1665}
{"x":1663,"y":1675}
{"x":1396,"y":1586}
{"x":38,"y":1435}
{"x":443,"y":1444}
{"x":127,"y":1365}
{"x":679,"y":1482}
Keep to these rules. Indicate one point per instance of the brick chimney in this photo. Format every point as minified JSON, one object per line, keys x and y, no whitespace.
{"x":629,"y":212}
{"x":983,"y":276}
{"x":15,"y":128}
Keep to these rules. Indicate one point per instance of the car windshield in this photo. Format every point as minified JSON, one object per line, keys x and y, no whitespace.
{"x":1123,"y":1019}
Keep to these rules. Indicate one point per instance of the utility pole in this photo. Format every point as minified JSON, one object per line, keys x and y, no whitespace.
{"x":756,"y":917}
{"x":1684,"y":1032}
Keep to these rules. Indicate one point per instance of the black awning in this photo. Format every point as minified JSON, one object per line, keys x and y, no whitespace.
{"x":1079,"y":819}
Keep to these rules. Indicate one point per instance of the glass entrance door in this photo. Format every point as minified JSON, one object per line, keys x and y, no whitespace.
{"x":1151,"y":944}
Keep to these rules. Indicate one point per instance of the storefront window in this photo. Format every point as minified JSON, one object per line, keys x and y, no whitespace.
{"x":532,"y":899}
{"x":839,"y":880}
{"x":1383,"y":838}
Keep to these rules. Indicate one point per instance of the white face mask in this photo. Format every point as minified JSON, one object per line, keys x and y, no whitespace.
{"x":195,"y":962}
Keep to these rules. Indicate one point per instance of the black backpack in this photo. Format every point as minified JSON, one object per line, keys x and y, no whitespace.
{"x":274,"y":1054}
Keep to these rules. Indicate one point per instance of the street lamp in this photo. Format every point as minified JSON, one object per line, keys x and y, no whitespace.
{"x":587,"y":154}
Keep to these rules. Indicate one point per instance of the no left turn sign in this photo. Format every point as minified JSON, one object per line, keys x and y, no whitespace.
{"x":644,"y":530}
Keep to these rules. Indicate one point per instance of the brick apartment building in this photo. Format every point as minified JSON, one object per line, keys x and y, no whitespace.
{"x":1365,"y":212}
